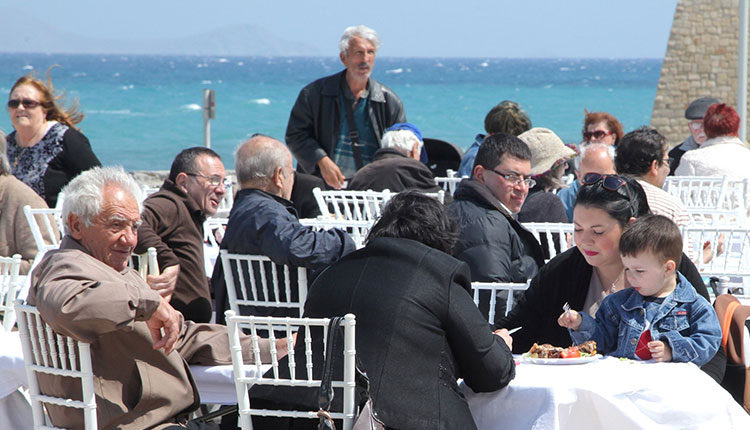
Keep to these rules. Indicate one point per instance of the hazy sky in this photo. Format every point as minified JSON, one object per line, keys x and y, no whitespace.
{"x":425,"y":28}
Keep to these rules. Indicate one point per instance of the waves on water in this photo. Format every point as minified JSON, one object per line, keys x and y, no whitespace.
{"x":191,"y":106}
{"x":262,"y":101}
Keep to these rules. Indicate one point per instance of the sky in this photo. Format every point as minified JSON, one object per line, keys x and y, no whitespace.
{"x":408,"y":28}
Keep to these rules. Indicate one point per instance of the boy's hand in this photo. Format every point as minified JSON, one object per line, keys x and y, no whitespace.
{"x":660,"y":351}
{"x":570,"y":319}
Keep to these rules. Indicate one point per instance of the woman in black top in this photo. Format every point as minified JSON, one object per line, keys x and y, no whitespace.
{"x":45,"y":151}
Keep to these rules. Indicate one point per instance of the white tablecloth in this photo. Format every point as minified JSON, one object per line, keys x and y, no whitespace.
{"x":608,"y":393}
{"x":216,"y":383}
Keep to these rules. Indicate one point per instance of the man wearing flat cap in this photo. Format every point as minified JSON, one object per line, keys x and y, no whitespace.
{"x":694,"y":114}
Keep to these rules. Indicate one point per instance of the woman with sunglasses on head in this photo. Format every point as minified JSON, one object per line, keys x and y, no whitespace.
{"x":45,"y":151}
{"x":587,"y":273}
{"x":601,"y":127}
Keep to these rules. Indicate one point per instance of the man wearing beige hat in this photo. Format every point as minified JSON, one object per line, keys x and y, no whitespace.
{"x":548,"y":156}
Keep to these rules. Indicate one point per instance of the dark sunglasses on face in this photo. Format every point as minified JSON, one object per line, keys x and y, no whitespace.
{"x":612,"y":183}
{"x":597,"y":134}
{"x":27,"y":103}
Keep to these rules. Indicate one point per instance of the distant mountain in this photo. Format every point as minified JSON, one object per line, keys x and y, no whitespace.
{"x":241,"y":40}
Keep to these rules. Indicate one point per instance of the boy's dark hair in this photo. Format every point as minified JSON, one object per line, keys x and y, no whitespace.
{"x":655,"y":233}
{"x":496,"y":145}
{"x":184,"y":162}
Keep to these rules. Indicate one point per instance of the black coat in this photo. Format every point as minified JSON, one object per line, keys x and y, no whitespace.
{"x":418,"y":330}
{"x":496,"y":246}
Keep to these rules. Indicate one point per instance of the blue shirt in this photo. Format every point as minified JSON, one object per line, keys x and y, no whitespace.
{"x":468,"y":161}
{"x":684,"y":320}
{"x":343,"y":155}
{"x":568,"y":197}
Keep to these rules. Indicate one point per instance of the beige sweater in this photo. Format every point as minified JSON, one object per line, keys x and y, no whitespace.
{"x":15,"y":234}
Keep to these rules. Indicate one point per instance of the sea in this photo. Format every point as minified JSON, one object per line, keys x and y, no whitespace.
{"x":140,"y":110}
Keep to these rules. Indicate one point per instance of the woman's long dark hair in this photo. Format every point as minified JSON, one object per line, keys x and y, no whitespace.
{"x":616,"y":203}
{"x":412,"y":215}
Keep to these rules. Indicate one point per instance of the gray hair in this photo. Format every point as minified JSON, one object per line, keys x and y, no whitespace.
{"x":362,"y":31}
{"x":4,"y":165}
{"x":258,"y":166}
{"x":85,"y":193}
{"x":402,"y":140}
{"x":583,"y":148}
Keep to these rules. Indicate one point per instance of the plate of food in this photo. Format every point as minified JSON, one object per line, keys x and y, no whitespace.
{"x":548,"y":354}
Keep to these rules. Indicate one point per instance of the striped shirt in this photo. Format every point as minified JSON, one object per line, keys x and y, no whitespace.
{"x":663,"y":203}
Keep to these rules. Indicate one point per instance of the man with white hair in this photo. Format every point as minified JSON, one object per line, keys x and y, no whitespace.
{"x":396,"y":166}
{"x":337,"y":122}
{"x":140,"y":345}
{"x":263,"y":221}
{"x":593,"y":158}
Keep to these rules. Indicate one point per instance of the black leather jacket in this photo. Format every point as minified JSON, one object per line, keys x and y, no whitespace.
{"x":313,"y":129}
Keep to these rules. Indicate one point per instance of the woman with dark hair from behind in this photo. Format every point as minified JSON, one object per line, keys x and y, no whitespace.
{"x":418,"y":329}
{"x":584,"y":275}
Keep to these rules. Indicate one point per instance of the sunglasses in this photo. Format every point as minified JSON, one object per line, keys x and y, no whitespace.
{"x":27,"y":103}
{"x":597,"y":134}
{"x":612,"y":183}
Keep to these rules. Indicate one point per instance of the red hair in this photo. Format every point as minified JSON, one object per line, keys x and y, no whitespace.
{"x":721,"y":120}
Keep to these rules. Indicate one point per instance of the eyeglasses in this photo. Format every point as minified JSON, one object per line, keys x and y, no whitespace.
{"x":596,"y":134}
{"x":214,"y":180}
{"x":696,"y":125}
{"x":612,"y":183}
{"x":27,"y":103}
{"x":515,"y":179}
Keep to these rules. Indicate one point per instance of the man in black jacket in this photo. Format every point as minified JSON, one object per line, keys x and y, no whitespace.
{"x":495,"y":245}
{"x":320,"y":132}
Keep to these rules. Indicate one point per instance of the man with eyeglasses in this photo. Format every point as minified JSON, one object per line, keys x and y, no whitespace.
{"x":642,"y":154}
{"x":494,"y":244}
{"x":173,"y":224}
{"x":694,"y":114}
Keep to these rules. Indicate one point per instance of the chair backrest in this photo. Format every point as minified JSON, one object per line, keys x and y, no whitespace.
{"x":255,"y":280}
{"x":449,"y":183}
{"x":9,"y":287}
{"x":146,"y":263}
{"x":729,"y":249}
{"x":494,"y":288}
{"x":348,"y":204}
{"x":438,"y":195}
{"x":43,"y":221}
{"x":710,"y":197}
{"x":558,"y":237}
{"x":211,"y":226}
{"x":357,"y":229}
{"x":302,"y":327}
{"x":47,"y":352}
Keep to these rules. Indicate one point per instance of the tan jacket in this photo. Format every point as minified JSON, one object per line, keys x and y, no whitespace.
{"x":136,"y":387}
{"x":15,"y":234}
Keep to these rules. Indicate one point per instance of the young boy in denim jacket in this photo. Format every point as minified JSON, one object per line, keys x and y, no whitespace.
{"x":660,"y":316}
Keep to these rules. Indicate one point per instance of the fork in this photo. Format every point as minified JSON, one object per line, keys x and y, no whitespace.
{"x":566,"y":308}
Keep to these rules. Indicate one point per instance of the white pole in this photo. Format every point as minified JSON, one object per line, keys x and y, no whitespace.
{"x":742,"y":70}
{"x":208,"y":113}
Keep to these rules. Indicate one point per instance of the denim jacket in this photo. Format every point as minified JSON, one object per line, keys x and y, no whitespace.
{"x":685,"y":320}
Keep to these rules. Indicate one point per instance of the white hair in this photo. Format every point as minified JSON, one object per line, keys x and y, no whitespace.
{"x":362,"y":31}
{"x":402,"y":140}
{"x":586,"y":147}
{"x":85,"y":193}
{"x":259,"y":165}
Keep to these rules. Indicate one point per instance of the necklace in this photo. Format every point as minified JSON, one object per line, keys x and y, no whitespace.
{"x":613,"y":287}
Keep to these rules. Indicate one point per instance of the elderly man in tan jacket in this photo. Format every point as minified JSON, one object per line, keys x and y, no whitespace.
{"x":141,"y":346}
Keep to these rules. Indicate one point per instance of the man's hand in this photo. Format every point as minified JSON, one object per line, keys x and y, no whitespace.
{"x":165,"y":283}
{"x":504,"y":335}
{"x":570,"y":319}
{"x":660,"y":351}
{"x":165,"y":319}
{"x":331,"y":173}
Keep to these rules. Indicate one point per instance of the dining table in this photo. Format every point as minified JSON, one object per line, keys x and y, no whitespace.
{"x":606,"y":393}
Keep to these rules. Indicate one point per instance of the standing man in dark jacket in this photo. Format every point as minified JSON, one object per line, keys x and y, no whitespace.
{"x":495,"y":245}
{"x":173,"y":224}
{"x":320,"y":132}
{"x":263,"y":221}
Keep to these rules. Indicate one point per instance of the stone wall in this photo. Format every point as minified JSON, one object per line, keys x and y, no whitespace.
{"x":701,"y":61}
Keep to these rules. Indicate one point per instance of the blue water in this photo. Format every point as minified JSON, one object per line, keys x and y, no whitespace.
{"x":141,"y":110}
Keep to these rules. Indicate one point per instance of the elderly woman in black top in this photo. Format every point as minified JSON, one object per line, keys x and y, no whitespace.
{"x":45,"y":151}
{"x":583,"y":275}
{"x":418,"y":329}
